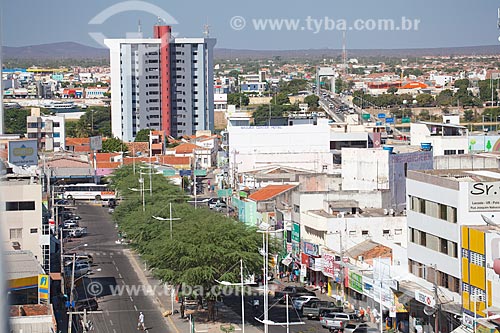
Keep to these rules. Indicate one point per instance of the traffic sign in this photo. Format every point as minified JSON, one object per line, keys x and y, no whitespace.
{"x":406,"y":120}
{"x":169,"y":172}
{"x":200,"y":172}
{"x":389,"y":120}
{"x":381,"y":115}
{"x":366,"y":116}
{"x":224,"y":193}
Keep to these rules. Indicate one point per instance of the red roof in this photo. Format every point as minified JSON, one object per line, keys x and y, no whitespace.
{"x":108,"y":165}
{"x":105,"y":157}
{"x":269,"y":192}
{"x":77,"y":141}
{"x":187,"y":148}
{"x":173,"y":160}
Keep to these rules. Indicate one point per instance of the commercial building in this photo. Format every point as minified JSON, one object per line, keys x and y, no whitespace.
{"x":48,"y":130}
{"x":161,"y":83}
{"x":439,"y":203}
{"x":23,"y":226}
{"x":480,"y":273}
{"x":448,"y":138}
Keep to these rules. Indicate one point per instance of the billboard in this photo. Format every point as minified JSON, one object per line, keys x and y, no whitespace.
{"x":484,"y":196}
{"x":23,"y":152}
{"x":95,"y":142}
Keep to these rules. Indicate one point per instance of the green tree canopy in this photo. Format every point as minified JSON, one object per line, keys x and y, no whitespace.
{"x":236,"y":98}
{"x":113,"y":145}
{"x":142,"y":135}
{"x":425,"y":100}
{"x":15,"y":120}
{"x":312,"y":101}
{"x":204,"y":246}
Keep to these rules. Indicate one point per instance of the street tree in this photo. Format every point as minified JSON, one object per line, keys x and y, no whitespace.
{"x":142,"y":135}
{"x":113,"y":145}
{"x":312,"y":101}
{"x":237,"y":98}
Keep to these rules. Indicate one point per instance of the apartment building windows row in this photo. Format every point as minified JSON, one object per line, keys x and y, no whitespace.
{"x":11,"y":206}
{"x":433,"y":275}
{"x":433,"y":242}
{"x":433,"y":209}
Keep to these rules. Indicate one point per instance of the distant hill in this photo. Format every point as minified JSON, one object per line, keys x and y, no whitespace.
{"x":53,"y":51}
{"x":332,"y":53}
{"x":72,"y":50}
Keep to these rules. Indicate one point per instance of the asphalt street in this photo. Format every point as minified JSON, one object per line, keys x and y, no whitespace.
{"x":277,"y":314}
{"x":113,"y":269}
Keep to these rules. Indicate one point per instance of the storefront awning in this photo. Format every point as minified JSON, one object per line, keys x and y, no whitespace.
{"x":462,"y":329}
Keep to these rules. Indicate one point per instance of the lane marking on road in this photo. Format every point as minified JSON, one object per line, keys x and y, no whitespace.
{"x":111,"y":322}
{"x":120,"y":275}
{"x":114,"y":331}
{"x":131,"y":299}
{"x":117,"y":268}
{"x":114,"y":263}
{"x":135,"y":307}
{"x":107,"y":312}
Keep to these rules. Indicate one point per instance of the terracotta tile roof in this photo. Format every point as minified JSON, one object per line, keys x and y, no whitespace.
{"x":105,"y":157}
{"x":135,"y":147}
{"x":108,"y":165}
{"x":187,"y":148}
{"x":269,"y":192}
{"x":77,"y":141}
{"x":130,"y":160}
{"x":81,"y":149}
{"x":173,"y":160}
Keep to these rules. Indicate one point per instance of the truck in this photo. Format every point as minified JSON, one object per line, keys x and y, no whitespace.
{"x":315,"y":309}
{"x":335,"y":321}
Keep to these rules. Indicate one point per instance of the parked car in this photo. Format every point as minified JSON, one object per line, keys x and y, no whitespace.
{"x":70,"y":224}
{"x":81,"y":268}
{"x":292,"y":292}
{"x":365,"y":329}
{"x":351,"y":327}
{"x":212,"y":202}
{"x":317,"y":308}
{"x":299,"y":302}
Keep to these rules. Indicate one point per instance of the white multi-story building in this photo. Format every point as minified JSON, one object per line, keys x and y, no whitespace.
{"x":48,"y":130}
{"x":135,"y":82}
{"x":439,"y":203}
{"x":305,"y":146}
{"x":21,"y":216}
{"x":161,"y":83}
{"x":445,"y":138}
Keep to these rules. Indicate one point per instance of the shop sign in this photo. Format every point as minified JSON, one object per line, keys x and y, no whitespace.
{"x":425,"y":298}
{"x":356,"y":282}
{"x":296,"y":232}
{"x":329,"y":264}
{"x":311,"y":249}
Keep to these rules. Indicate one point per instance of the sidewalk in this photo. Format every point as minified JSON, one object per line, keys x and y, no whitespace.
{"x":225,"y":317}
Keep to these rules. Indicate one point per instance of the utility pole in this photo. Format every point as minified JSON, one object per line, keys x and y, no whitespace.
{"x":70,"y":320}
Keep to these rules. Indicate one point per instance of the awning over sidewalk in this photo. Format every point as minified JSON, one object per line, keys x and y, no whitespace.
{"x":462,"y":329}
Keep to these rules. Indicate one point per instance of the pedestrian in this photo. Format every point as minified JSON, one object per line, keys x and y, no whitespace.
{"x":362,"y":314}
{"x":183,"y":309}
{"x":321,"y":285}
{"x":140,"y":322}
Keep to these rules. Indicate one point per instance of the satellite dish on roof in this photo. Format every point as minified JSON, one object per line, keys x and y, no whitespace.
{"x":489,"y":221}
{"x":429,"y":310}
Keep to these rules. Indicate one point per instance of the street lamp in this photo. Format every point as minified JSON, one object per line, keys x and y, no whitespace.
{"x":226,"y":283}
{"x":141,"y":181}
{"x":169,"y":219}
{"x":264,"y":230}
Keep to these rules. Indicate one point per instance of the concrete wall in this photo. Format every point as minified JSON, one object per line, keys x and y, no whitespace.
{"x":365,"y":169}
{"x":465,"y":162}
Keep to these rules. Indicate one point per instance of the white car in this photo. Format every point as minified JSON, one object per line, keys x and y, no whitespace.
{"x":81,"y":268}
{"x":299,"y":302}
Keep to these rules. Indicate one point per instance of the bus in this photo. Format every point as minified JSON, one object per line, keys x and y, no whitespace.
{"x":87,"y":192}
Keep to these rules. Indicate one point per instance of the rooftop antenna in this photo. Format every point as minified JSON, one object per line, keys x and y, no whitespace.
{"x":139,"y":28}
{"x":206,"y":30}
{"x":161,"y":21}
{"x":498,"y":18}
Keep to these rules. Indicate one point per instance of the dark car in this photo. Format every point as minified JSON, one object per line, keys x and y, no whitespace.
{"x":292,"y":292}
{"x":89,"y":304}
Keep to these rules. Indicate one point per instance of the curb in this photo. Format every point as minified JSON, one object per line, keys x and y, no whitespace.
{"x":131,"y":255}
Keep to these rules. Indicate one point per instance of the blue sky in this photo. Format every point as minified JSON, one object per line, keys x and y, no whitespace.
{"x":443,"y":23}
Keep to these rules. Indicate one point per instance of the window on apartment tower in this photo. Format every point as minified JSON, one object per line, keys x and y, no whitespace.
{"x":16,"y":233}
{"x":19,"y":205}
